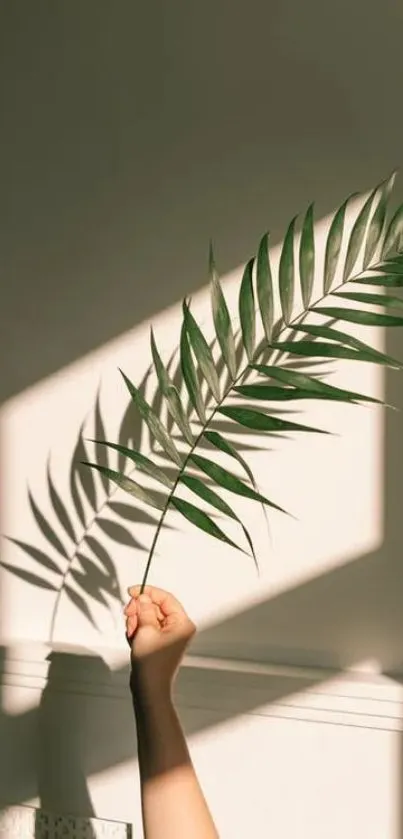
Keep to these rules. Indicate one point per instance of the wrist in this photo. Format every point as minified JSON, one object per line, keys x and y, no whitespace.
{"x":149,"y":694}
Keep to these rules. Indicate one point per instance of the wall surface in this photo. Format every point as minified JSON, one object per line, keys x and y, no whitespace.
{"x":128,"y":139}
{"x":275,"y":751}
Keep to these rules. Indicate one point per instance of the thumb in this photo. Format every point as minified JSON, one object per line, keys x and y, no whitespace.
{"x":147,"y":613}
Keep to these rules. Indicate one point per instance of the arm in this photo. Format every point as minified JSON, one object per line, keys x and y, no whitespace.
{"x":173,"y":803}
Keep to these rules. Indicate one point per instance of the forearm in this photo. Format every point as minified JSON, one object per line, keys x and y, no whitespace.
{"x":173,"y":803}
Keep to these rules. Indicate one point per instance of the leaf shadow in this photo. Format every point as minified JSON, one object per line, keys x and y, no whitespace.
{"x":79,"y":527}
{"x":134,"y":514}
{"x":119,"y":533}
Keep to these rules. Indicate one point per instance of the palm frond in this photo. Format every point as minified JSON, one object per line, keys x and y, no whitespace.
{"x":212,"y":394}
{"x":372,"y":254}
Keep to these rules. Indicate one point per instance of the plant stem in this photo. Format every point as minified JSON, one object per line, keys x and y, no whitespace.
{"x":232,"y":384}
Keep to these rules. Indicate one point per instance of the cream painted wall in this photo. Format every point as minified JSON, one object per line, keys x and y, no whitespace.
{"x":129,"y":138}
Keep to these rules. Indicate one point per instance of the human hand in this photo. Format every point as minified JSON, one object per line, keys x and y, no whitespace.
{"x":158,"y":631}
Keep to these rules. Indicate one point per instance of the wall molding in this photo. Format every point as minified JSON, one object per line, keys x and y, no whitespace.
{"x":354,"y":698}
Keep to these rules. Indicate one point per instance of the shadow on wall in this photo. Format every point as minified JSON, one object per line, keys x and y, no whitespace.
{"x":62,"y":742}
{"x":124,"y":150}
{"x":342,"y":617}
{"x":83,"y":569}
{"x":53,"y":748}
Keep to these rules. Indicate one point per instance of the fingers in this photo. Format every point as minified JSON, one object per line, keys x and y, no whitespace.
{"x":164,"y":599}
{"x":141,"y":612}
{"x":131,"y":626}
{"x":146,"y":612}
{"x":132,"y":609}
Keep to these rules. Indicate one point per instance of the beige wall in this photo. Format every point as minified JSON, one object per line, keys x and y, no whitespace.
{"x":129,"y":137}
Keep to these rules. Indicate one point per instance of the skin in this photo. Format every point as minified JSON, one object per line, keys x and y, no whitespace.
{"x":158,"y":631}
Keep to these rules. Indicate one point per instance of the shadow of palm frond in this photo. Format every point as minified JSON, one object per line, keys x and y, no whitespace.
{"x":74,"y":558}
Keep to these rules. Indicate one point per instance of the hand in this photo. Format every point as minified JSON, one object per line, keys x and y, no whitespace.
{"x":158,"y":631}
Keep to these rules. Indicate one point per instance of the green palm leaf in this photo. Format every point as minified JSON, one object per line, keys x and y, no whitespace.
{"x":153,"y":422}
{"x":373,"y":299}
{"x":247,"y":310}
{"x":207,"y":494}
{"x":344,"y":338}
{"x":202,"y":521}
{"x":189,"y":373}
{"x":394,"y":235}
{"x":307,"y":257}
{"x":286,"y":273}
{"x":311,"y":387}
{"x":219,"y":442}
{"x":357,"y":316}
{"x":259,"y":421}
{"x":392,"y":263}
{"x":264,"y":287}
{"x":320,"y":349}
{"x":229,"y":481}
{"x":357,"y":237}
{"x":333,"y":245}
{"x":392,"y":267}
{"x":142,"y":462}
{"x":123,"y":482}
{"x":270,"y":393}
{"x":377,"y":222}
{"x":387,"y":280}
{"x":224,"y":446}
{"x":202,"y":352}
{"x":171,"y":394}
{"x":221,"y":318}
